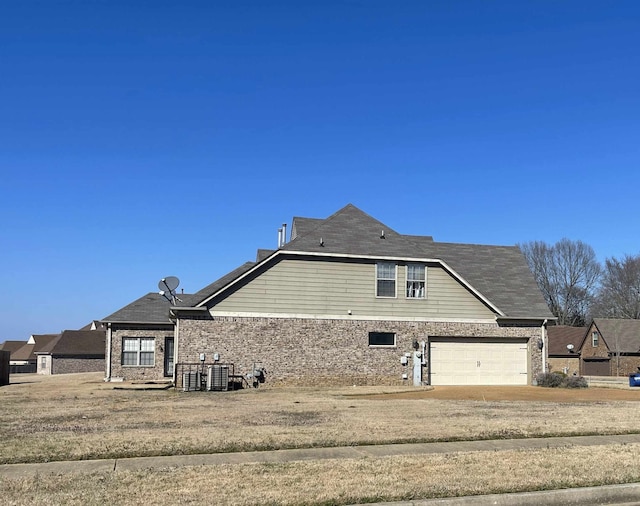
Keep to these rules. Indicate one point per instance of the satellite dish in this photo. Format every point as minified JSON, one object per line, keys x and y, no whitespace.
{"x":168,"y":284}
{"x":168,"y":287}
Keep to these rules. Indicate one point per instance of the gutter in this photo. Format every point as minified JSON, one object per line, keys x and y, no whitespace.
{"x":107,"y":357}
{"x":544,"y":345}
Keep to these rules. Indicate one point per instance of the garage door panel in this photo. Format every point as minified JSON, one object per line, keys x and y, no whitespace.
{"x":478,"y":362}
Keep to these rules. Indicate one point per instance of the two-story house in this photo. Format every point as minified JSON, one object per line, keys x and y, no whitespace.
{"x":348,"y":300}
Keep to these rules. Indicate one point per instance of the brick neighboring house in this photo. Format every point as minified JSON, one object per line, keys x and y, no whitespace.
{"x":23,"y":358}
{"x":72,"y":351}
{"x":564,"y":348}
{"x":611,"y":347}
{"x":348,"y":300}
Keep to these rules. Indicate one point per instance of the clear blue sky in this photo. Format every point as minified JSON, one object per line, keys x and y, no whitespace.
{"x":145,"y":139}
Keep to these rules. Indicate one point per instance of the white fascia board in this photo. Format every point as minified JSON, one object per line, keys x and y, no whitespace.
{"x":168,"y":322}
{"x":526,"y":318}
{"x":301,"y":316}
{"x":360,"y":257}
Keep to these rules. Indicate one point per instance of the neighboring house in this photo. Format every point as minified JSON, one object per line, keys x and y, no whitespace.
{"x":611,"y":347}
{"x":564,"y":348}
{"x":72,"y":351}
{"x":23,"y":359}
{"x":348,"y":300}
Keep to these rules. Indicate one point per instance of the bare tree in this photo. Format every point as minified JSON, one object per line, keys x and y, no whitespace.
{"x":567,"y":274}
{"x":619,"y":294}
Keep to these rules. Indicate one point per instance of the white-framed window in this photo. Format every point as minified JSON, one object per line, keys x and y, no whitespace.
{"x":594,"y":339}
{"x":138,"y":351}
{"x":382,"y":339}
{"x":385,"y":279}
{"x":416,"y":281}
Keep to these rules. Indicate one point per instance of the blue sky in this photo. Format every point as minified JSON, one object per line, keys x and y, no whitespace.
{"x":145,"y":139}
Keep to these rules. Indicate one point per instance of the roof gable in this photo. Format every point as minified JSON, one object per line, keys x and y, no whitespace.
{"x":620,"y":335}
{"x":497,"y":275}
{"x":349,"y":231}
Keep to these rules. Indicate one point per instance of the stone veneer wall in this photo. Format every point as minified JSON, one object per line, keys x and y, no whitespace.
{"x":138,"y":373}
{"x":68,"y":365}
{"x":328,"y":352}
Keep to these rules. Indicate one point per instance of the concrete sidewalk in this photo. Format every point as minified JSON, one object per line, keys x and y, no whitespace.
{"x":341,"y":452}
{"x":619,"y":494}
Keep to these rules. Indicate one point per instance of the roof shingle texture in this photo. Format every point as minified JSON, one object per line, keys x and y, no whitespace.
{"x":150,"y":308}
{"x":621,"y":335}
{"x":77,"y":342}
{"x":562,"y":335}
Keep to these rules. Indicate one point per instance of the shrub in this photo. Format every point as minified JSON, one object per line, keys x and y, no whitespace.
{"x":550,"y":379}
{"x":558,"y":379}
{"x":574,"y":382}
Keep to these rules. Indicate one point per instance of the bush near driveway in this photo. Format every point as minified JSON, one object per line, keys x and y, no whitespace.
{"x":560,"y":380}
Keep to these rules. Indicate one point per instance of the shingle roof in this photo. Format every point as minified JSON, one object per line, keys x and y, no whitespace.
{"x":221,"y":282}
{"x":25,"y":352}
{"x":562,"y":335}
{"x":261,"y":254}
{"x":12,"y":346}
{"x":150,"y":308}
{"x":302,"y":226}
{"x":76,"y":342}
{"x":499,"y":273}
{"x":28,"y":351}
{"x":621,"y":335}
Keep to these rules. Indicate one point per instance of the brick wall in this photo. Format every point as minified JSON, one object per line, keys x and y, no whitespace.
{"x":68,"y":365}
{"x":628,"y":364}
{"x":138,"y":373}
{"x":324,"y":352}
{"x":559,"y":364}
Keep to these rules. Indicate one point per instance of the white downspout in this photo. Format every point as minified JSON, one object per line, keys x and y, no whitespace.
{"x":175,"y":352}
{"x":108,"y":353}
{"x":544,"y":346}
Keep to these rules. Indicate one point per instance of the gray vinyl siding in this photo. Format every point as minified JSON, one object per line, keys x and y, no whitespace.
{"x":320,"y":287}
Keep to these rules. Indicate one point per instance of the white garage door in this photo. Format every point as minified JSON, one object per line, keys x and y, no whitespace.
{"x":478,"y":362}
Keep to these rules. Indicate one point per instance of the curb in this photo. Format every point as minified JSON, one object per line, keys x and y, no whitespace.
{"x":627,"y":494}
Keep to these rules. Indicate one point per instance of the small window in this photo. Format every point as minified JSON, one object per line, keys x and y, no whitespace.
{"x":138,"y":351}
{"x":382,"y":339}
{"x":385,"y":279}
{"x":594,"y":339}
{"x":415,"y":281}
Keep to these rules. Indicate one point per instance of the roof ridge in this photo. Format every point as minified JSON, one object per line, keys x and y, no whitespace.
{"x":337,"y":214}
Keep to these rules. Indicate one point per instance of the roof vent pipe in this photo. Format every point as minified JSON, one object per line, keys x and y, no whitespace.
{"x":284,"y":234}
{"x":279,"y":237}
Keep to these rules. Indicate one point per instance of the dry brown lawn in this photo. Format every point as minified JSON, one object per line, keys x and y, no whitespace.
{"x":72,"y":417}
{"x":80,"y":417}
